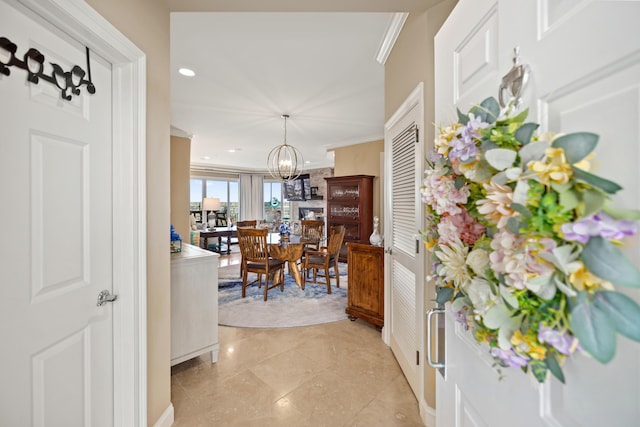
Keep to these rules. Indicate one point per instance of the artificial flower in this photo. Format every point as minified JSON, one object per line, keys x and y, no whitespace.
{"x":478,"y":260}
{"x":582,"y":279}
{"x":553,"y":168}
{"x":561,"y":341}
{"x":454,"y":263}
{"x":599,"y":224}
{"x":497,"y":206}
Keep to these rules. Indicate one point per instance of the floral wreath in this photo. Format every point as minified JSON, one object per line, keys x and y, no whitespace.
{"x":525,"y":242}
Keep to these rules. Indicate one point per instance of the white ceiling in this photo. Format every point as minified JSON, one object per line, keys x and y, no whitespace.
{"x":251,"y":67}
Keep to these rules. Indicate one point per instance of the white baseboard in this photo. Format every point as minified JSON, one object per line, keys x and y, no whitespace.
{"x":166,"y":419}
{"x":428,"y":414}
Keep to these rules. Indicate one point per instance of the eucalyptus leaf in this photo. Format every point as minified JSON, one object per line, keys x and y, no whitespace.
{"x":606,"y":261}
{"x":569,"y":200}
{"x":561,"y":188}
{"x":459,"y":303}
{"x":462,"y":118}
{"x":459,"y":182}
{"x":500,"y":178}
{"x":488,"y":110}
{"x":513,"y":173}
{"x":594,"y":331}
{"x":533,"y":151}
{"x":508,"y":297}
{"x":520,"y":193}
{"x":521,"y":209}
{"x":554,"y":367}
{"x":500,"y":158}
{"x":593,"y":201}
{"x":513,"y":225}
{"x":504,"y":335}
{"x":444,"y":294}
{"x":497,"y":317}
{"x":577,"y":145}
{"x":622,"y":214}
{"x":591,"y":179}
{"x":622,"y":311}
{"x":564,"y":288}
{"x":561,"y":257}
{"x":525,"y":132}
{"x":539,"y":370}
{"x":542,"y":286}
{"x":487,"y":145}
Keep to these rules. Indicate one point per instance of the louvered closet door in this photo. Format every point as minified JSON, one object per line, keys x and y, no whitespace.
{"x":404,"y":262}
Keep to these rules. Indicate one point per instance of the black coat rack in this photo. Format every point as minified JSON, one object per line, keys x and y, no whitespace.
{"x":33,"y":63}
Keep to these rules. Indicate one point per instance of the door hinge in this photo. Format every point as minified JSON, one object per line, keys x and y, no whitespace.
{"x":417,"y":246}
{"x":417,"y":357}
{"x":417,"y":134}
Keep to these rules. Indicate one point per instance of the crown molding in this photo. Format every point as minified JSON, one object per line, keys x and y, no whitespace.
{"x":396,"y":22}
{"x":180,"y":133}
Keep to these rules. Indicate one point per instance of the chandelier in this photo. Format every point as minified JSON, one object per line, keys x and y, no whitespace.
{"x":285,"y":161}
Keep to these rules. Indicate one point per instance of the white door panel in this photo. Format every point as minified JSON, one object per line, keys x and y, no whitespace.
{"x":584,"y":58}
{"x":56,"y":178}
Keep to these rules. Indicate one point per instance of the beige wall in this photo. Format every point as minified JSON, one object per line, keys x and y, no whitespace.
{"x":146,"y":24}
{"x":362,"y":159}
{"x":410,"y":62}
{"x":180,"y":170}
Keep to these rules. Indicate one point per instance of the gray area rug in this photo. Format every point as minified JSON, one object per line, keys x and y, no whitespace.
{"x":291,"y":308}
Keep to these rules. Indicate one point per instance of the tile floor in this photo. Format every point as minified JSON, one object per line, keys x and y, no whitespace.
{"x":336,"y":374}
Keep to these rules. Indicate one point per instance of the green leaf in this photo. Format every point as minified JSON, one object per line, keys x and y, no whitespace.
{"x":622,"y":311}
{"x":593,"y":201}
{"x":577,"y":145}
{"x":444,"y":294}
{"x":488,"y":110}
{"x":539,"y":370}
{"x":606,"y":261}
{"x":525,"y":132}
{"x":591,"y":179}
{"x":462,"y":118}
{"x":521,"y":209}
{"x":500,"y":158}
{"x":554,"y":367}
{"x":459,"y":182}
{"x":514,"y":225}
{"x":594,"y":331}
{"x":622,"y":214}
{"x":542,"y":286}
{"x":533,"y":151}
{"x":569,"y":200}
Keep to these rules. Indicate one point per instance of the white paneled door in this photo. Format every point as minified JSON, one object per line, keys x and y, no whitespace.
{"x":403,"y":262}
{"x":56,"y":179}
{"x":584,"y":58}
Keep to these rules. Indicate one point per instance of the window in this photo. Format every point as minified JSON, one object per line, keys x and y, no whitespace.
{"x":226,"y":190}
{"x":273,"y":198}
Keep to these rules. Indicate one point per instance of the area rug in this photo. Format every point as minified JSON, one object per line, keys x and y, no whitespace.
{"x":291,"y":308}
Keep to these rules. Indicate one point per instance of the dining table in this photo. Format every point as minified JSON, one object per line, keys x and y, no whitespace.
{"x":289,"y":249}
{"x":219,"y":233}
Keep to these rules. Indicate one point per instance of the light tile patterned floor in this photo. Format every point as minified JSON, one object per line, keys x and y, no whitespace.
{"x":336,"y":374}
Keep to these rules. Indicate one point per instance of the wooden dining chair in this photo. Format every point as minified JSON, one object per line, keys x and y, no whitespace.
{"x":324,"y":258}
{"x":247,"y":223}
{"x":256,"y":259}
{"x":312,"y":233}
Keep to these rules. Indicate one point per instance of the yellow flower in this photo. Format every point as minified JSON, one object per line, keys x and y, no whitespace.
{"x":553,"y":167}
{"x":445,"y":136}
{"x":585,"y":164}
{"x":528,"y":345}
{"x":497,"y":206}
{"x":582,"y":279}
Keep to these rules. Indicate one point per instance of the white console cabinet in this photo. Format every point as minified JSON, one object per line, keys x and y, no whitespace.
{"x":194,"y":304}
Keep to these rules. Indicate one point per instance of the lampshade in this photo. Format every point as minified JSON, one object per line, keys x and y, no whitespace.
{"x":284,"y":161}
{"x":210,"y":204}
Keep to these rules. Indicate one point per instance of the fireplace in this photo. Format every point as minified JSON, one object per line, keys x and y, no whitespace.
{"x":304,"y":213}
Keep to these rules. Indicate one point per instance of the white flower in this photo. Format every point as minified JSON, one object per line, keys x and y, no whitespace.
{"x":479,"y":292}
{"x":478,"y":260}
{"x":454,"y":266}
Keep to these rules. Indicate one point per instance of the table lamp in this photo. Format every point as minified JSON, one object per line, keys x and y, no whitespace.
{"x":209,"y":204}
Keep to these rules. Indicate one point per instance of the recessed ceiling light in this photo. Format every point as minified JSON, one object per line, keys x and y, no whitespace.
{"x":306,"y":162}
{"x":234,"y":150}
{"x":205,"y":158}
{"x":187,"y":72}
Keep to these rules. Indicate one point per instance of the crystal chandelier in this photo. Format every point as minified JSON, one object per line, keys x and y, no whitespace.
{"x":285,"y":161}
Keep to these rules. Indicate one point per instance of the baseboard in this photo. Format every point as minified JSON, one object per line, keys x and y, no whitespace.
{"x":428,"y":414}
{"x":166,"y":419}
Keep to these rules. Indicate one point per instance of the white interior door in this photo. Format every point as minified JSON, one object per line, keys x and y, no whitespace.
{"x":404,"y":269}
{"x":56,"y":162}
{"x":585,"y":64}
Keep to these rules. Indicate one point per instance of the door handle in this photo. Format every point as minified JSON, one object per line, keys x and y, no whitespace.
{"x":432,"y":363}
{"x":105,"y":297}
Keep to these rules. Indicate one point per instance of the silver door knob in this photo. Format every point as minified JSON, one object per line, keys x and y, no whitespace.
{"x":105,"y":297}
